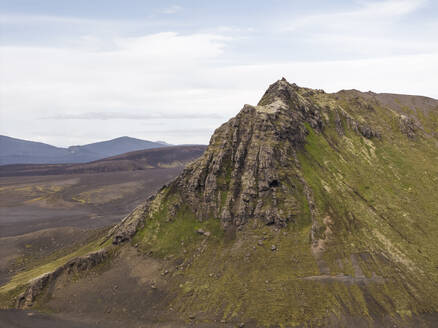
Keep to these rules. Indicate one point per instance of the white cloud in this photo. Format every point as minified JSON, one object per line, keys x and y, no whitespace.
{"x":153,"y":76}
{"x":410,"y":74}
{"x":171,"y":10}
{"x":96,"y":87}
{"x":389,"y":8}
{"x":368,"y":13}
{"x":35,"y":19}
{"x":372,"y":29}
{"x":170,"y":45}
{"x":128,"y":116}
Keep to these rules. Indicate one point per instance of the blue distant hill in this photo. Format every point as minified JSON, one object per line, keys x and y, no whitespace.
{"x":18,"y":151}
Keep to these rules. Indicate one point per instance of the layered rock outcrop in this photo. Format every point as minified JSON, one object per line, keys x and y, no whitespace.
{"x":77,"y":265}
{"x":308,"y":209}
{"x":250,"y":169}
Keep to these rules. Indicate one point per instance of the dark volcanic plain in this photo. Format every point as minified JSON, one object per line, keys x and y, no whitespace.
{"x":46,"y":210}
{"x":309,"y":209}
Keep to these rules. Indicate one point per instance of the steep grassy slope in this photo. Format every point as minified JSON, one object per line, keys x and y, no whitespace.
{"x":310,"y":209}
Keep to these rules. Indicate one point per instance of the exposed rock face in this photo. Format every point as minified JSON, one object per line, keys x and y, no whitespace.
{"x":242,"y":174}
{"x":130,"y":224}
{"x":250,"y":168}
{"x":364,"y":129}
{"x":351,"y":208}
{"x":408,"y":126}
{"x":39,"y":284}
{"x":241,"y":170}
{"x":134,"y":221}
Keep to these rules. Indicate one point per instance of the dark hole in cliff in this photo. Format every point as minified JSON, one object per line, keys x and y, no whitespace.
{"x":274,"y":183}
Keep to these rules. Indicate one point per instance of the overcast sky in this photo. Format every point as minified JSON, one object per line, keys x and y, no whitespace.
{"x":75,"y":72}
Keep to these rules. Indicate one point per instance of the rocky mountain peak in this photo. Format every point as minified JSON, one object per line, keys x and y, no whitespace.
{"x":308,"y":209}
{"x":250,"y":168}
{"x":242,"y":174}
{"x":280,"y":91}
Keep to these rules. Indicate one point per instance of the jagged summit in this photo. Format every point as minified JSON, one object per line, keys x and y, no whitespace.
{"x":303,"y":162}
{"x":250,"y":168}
{"x":281,"y":91}
{"x":238,"y":177}
{"x":309,"y":209}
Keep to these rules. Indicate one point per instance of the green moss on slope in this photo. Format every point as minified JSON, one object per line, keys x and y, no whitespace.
{"x":361,"y":209}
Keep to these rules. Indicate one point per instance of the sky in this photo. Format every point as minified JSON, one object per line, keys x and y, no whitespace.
{"x":76,"y":72}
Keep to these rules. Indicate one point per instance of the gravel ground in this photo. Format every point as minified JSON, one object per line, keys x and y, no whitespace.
{"x":24,"y":319}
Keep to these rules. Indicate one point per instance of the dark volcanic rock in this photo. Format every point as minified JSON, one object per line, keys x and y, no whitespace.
{"x":250,"y":168}
{"x":358,"y":203}
{"x":408,"y":126}
{"x":241,"y":166}
{"x":129,"y":225}
{"x":76,"y":265}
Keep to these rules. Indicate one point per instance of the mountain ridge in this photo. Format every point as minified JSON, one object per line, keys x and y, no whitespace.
{"x":163,"y":157}
{"x":308,"y":209}
{"x":19,"y":151}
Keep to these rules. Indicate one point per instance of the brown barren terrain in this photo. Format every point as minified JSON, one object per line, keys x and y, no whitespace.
{"x":46,"y":210}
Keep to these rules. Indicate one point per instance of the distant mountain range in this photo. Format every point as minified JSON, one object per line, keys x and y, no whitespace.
{"x":165,"y":157}
{"x":18,"y":151}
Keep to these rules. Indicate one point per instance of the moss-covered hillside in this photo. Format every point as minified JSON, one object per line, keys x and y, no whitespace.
{"x":309,"y":209}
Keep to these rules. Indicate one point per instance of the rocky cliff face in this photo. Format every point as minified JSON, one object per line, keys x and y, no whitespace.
{"x":44,"y":282}
{"x":309,"y":209}
{"x":319,"y":171}
{"x":251,"y":169}
{"x":245,"y":165}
